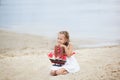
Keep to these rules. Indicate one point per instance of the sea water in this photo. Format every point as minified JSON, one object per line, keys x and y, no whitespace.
{"x":83,"y":19}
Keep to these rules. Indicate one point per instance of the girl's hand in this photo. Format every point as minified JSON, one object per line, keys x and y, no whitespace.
{"x":63,"y":46}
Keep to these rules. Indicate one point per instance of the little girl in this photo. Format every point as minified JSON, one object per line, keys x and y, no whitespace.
{"x":70,"y":65}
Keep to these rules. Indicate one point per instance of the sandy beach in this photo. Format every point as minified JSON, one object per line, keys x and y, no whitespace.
{"x":24,"y":57}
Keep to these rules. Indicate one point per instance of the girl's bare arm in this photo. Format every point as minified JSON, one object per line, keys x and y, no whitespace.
{"x":68,"y":50}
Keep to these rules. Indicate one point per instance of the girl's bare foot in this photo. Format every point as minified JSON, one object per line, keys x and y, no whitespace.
{"x":53,"y":73}
{"x":61,"y":71}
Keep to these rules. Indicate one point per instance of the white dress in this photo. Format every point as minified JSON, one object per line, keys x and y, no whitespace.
{"x":71,"y":65}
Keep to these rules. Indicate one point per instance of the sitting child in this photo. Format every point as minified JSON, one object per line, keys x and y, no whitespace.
{"x":63,"y":56}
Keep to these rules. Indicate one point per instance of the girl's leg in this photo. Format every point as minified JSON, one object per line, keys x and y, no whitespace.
{"x":53,"y":73}
{"x":61,"y":71}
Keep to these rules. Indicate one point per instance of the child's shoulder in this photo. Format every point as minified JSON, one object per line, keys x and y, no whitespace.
{"x":70,"y":44}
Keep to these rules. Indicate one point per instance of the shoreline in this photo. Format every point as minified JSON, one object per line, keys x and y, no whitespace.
{"x":78,"y":43}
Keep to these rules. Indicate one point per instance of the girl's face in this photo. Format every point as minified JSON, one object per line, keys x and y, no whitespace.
{"x":61,"y":39}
